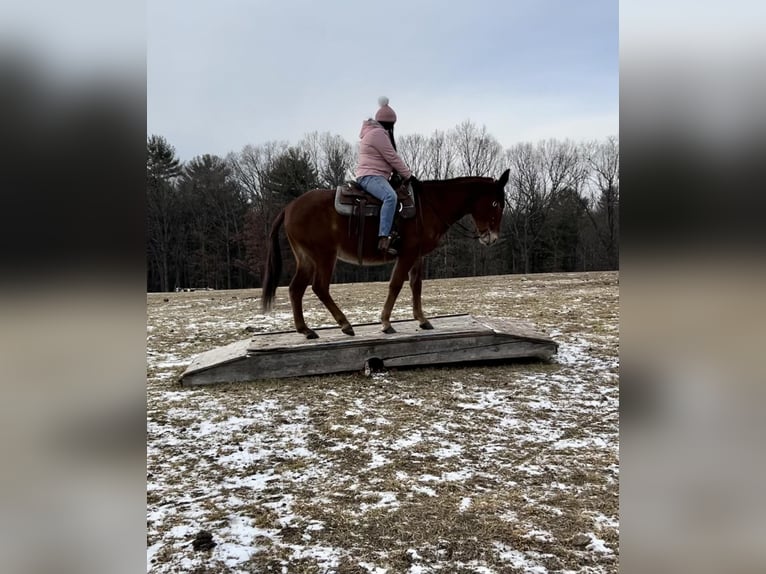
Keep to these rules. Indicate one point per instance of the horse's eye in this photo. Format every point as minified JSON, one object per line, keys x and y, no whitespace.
{"x":494,"y":204}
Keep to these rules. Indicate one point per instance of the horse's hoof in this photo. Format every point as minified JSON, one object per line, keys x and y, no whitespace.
{"x":427,"y":325}
{"x":311,"y":335}
{"x":348,"y":330}
{"x":389,"y":330}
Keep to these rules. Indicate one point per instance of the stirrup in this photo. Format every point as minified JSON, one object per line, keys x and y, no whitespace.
{"x":384,"y":244}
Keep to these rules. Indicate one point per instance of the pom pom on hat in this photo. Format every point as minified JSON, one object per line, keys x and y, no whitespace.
{"x":385,"y":113}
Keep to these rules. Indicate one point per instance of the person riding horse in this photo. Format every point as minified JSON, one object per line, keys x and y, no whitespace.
{"x":319,"y":233}
{"x":377,"y":160}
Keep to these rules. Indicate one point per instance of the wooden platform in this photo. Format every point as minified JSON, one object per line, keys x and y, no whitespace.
{"x":454,"y":339}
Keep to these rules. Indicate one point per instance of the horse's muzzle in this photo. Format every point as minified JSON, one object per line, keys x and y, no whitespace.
{"x":488,"y":237}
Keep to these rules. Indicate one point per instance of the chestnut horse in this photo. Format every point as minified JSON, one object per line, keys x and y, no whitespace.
{"x":318,"y":236}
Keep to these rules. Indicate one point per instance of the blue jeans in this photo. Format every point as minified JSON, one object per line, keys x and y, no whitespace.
{"x":378,"y":186}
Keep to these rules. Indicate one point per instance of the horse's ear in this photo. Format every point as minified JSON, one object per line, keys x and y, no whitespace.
{"x":504,"y":178}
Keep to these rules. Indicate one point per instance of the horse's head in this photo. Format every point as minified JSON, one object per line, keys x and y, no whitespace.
{"x":487,"y":210}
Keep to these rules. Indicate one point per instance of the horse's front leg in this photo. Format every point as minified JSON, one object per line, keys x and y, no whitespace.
{"x":398,"y":276}
{"x":416,"y":285}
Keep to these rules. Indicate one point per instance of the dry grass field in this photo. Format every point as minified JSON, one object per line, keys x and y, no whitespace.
{"x":473,"y":468}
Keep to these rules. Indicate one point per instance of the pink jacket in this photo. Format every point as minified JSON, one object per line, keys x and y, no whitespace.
{"x":376,"y":154}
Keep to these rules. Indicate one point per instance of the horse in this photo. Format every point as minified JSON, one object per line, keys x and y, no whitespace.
{"x":319,"y":236}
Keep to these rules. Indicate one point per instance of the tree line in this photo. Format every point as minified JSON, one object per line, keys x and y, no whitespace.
{"x":208,"y":219}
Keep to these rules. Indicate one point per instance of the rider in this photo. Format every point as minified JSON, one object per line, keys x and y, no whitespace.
{"x":377,"y":159}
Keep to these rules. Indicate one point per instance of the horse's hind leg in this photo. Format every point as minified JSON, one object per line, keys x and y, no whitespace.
{"x":321,"y":288}
{"x":298,"y":285}
{"x":416,"y":285}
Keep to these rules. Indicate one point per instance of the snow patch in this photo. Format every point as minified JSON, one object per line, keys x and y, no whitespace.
{"x":597,"y":545}
{"x":407,"y":442}
{"x":378,"y":460}
{"x":387,"y":500}
{"x":448,"y":451}
{"x":424,"y":490}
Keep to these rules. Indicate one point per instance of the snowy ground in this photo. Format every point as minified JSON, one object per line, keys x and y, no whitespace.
{"x":503,"y":468}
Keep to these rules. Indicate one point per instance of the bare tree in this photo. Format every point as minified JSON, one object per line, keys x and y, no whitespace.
{"x":331,"y":155}
{"x":603,"y":159}
{"x":440,"y":157}
{"x":476,"y":150}
{"x":524,"y":198}
{"x":338,"y":158}
{"x":414,"y":149}
{"x":244,"y":170}
{"x":539,"y":175}
{"x":562,"y":164}
{"x":250,"y":167}
{"x":311,"y":145}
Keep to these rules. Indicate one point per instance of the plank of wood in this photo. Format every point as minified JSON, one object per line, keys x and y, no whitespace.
{"x":513,"y":327}
{"x":455,"y":338}
{"x":219,"y":356}
{"x":329,"y":337}
{"x":453,"y":326}
{"x":487,"y":352}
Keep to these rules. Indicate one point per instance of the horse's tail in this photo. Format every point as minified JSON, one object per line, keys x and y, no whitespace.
{"x":273,"y":267}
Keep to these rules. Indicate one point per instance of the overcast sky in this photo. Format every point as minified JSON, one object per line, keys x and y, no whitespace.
{"x":222,"y":74}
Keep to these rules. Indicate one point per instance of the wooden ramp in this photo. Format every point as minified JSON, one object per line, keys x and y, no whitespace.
{"x":454,"y":339}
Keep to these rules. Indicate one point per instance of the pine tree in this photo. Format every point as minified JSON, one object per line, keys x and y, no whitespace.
{"x":162,"y":171}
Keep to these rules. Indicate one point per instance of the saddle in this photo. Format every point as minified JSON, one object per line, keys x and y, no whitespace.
{"x":352,"y":200}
